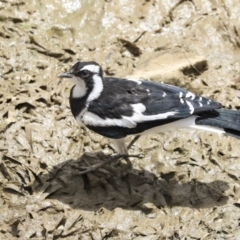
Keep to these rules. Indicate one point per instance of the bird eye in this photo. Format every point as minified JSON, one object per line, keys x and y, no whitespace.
{"x":84,"y":73}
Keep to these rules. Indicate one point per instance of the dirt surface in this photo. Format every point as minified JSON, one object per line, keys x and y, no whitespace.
{"x":186,"y":185}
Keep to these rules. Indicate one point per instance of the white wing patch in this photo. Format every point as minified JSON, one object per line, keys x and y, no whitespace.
{"x":180,"y":96}
{"x":136,"y":81}
{"x":191,"y":108}
{"x":92,"y":119}
{"x":190,"y":95}
{"x":89,"y":118}
{"x":138,"y":117}
{"x":190,"y":105}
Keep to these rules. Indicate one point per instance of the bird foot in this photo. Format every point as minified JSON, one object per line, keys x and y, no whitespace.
{"x":98,"y":167}
{"x":105,"y":168}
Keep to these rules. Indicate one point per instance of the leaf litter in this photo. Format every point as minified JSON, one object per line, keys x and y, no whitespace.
{"x":185,"y":185}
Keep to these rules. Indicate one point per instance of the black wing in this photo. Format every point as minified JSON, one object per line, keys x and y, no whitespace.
{"x":128,"y":107}
{"x":161,"y":101}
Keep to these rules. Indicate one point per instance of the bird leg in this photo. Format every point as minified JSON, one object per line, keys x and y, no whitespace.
{"x":121,"y":148}
{"x":133,"y":141}
{"x":126,"y":176}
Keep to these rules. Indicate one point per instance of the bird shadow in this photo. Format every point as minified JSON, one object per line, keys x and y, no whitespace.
{"x":110,"y":189}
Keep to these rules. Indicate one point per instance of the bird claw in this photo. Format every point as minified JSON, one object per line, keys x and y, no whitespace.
{"x":98,"y":167}
{"x":102,"y":168}
{"x":93,"y":168}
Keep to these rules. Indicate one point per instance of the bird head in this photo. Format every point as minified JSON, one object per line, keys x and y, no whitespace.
{"x":88,"y":79}
{"x":83,"y":71}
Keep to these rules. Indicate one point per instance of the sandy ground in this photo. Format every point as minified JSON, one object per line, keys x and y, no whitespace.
{"x":186,"y":185}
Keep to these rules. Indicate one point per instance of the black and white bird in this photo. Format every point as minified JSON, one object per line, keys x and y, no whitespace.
{"x":116,"y":107}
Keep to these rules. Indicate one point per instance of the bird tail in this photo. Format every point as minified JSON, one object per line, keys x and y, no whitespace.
{"x":227,"y":120}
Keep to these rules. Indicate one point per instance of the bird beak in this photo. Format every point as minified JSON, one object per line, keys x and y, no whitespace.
{"x":65,"y":75}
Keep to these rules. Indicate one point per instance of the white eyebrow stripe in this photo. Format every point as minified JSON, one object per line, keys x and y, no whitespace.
{"x":92,"y":68}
